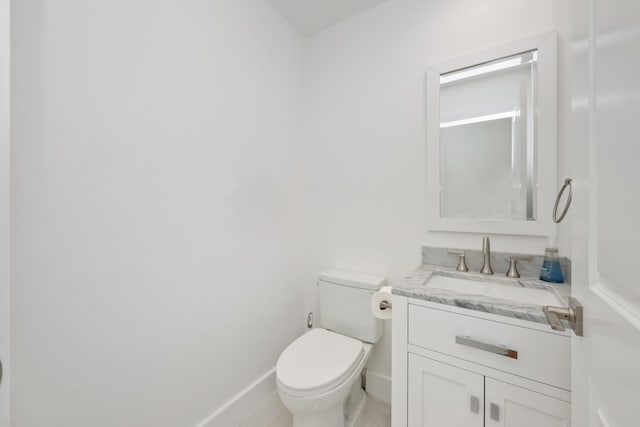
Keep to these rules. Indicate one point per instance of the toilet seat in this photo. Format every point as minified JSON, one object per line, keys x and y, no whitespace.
{"x":318,"y":361}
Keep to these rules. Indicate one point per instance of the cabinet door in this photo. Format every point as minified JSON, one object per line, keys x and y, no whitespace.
{"x":510,"y":406}
{"x":442,"y":395}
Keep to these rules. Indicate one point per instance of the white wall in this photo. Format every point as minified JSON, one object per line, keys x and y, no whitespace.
{"x":365,"y":108}
{"x":4,"y":210}
{"x":157,"y":207}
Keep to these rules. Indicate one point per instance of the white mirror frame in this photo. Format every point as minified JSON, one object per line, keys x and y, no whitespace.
{"x":546,"y":140}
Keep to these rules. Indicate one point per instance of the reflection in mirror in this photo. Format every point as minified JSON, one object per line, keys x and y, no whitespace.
{"x":487,"y":140}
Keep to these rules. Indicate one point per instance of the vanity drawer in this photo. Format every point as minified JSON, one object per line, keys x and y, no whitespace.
{"x":530,"y":353}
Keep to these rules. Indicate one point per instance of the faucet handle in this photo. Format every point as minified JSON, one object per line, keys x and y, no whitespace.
{"x":462,"y":265}
{"x":513,"y":269}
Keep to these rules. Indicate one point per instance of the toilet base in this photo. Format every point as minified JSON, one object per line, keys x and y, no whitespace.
{"x":330,"y":417}
{"x":343,"y":414}
{"x":354,"y":405}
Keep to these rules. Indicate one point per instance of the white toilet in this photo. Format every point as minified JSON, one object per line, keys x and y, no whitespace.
{"x":318,"y":375}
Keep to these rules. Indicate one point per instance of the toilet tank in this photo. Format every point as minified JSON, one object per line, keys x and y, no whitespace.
{"x":345,"y":304}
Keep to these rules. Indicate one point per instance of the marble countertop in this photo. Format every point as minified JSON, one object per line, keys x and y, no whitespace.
{"x":415,"y":286}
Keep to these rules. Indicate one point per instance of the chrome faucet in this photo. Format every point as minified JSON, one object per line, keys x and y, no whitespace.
{"x":486,"y":251}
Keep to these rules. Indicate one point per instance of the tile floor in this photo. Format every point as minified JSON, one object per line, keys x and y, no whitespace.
{"x":375,"y":414}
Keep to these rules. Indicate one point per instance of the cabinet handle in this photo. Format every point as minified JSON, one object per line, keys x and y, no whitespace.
{"x":475,"y":404}
{"x":487,"y":347}
{"x":494,"y":411}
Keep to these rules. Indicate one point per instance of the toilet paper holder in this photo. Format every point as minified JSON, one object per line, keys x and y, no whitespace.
{"x":385,"y":305}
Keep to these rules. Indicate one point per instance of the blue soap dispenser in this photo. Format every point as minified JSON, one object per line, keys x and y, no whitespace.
{"x":550,"y":271}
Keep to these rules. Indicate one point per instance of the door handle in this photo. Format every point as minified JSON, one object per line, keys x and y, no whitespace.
{"x":474,"y":404}
{"x":573,"y":314}
{"x":494,"y":411}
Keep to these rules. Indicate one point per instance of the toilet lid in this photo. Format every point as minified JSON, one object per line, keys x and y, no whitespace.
{"x":318,"y":360}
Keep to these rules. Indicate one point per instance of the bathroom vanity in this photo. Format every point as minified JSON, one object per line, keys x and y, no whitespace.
{"x":470,"y":349}
{"x":463,"y":358}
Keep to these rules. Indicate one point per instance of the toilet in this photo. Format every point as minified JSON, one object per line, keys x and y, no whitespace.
{"x":318,"y":375}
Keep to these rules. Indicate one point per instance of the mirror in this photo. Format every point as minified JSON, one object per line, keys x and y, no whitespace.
{"x":491,"y":140}
{"x":487,"y":143}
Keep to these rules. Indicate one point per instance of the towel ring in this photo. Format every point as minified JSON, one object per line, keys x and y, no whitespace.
{"x":567,"y":183}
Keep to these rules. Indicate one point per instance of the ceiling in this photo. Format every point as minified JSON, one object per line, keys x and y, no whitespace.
{"x":311,"y":16}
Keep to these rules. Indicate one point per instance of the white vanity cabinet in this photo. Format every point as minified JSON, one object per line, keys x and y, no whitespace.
{"x":518,"y":407}
{"x":455,"y":367}
{"x":443,"y":395}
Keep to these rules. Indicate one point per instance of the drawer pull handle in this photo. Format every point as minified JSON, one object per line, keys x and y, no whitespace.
{"x":487,"y":347}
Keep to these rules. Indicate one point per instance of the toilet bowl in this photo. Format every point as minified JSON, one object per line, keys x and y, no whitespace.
{"x":318,"y":379}
{"x":318,"y":375}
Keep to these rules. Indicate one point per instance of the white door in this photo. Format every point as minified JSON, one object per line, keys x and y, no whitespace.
{"x":510,"y":406}
{"x":443,"y":395}
{"x":606,"y":211}
{"x":4,"y":209}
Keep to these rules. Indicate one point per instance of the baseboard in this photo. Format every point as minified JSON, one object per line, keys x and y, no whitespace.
{"x":379,"y":386}
{"x":258,"y":396}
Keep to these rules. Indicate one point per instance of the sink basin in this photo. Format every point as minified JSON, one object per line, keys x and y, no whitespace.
{"x":495,"y":290}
